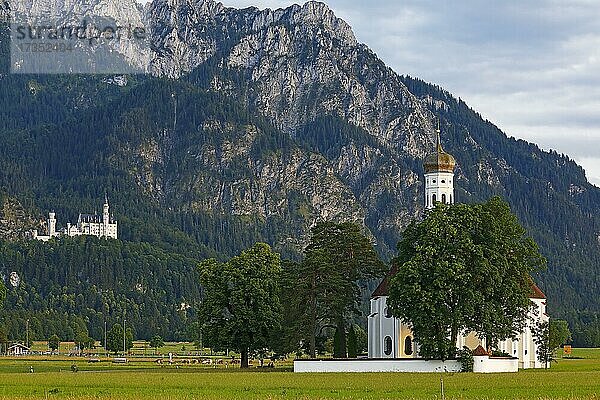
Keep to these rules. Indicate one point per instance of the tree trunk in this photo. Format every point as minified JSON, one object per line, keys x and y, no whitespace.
{"x":453,"y":338}
{"x":489,"y":343}
{"x":244,"y":361}
{"x":313,"y":341}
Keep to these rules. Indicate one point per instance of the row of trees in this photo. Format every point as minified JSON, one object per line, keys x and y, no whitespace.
{"x":255,"y":302}
{"x":115,"y":340}
{"x":463,"y":268}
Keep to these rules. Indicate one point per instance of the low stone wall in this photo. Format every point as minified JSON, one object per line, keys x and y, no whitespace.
{"x":376,"y":365}
{"x":487,"y":364}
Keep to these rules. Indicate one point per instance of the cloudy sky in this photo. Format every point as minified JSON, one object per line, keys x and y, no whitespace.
{"x":531,"y":67}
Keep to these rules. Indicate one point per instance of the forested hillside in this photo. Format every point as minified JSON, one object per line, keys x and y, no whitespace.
{"x":75,"y":285}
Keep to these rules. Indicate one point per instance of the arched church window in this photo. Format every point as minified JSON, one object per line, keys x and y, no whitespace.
{"x":387,"y":345}
{"x":434,"y":181}
{"x":388,"y":312}
{"x":433,"y":199}
{"x":444,"y":198}
{"x":408,"y":346}
{"x":443,"y":181}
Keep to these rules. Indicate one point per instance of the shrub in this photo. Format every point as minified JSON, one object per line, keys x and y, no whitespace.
{"x":465,"y":356}
{"x":498,"y":353}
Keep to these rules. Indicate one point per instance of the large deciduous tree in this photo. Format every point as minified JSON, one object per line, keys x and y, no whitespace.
{"x":54,"y":342}
{"x":549,"y":336}
{"x":114,"y":339}
{"x":327,"y":291}
{"x":558,"y":333}
{"x":241,"y":309}
{"x":156,"y":342}
{"x":3,"y":339}
{"x":83,"y":341}
{"x":464,"y":268}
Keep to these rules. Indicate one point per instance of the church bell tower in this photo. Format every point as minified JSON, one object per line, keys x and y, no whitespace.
{"x":439,"y":176}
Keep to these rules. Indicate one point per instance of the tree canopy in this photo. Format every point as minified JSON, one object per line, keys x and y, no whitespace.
{"x":156,"y":341}
{"x":54,"y":342}
{"x":84,"y":341}
{"x":558,"y":333}
{"x":326,"y":283}
{"x":114,"y":339}
{"x":241,"y":308}
{"x":464,"y":268}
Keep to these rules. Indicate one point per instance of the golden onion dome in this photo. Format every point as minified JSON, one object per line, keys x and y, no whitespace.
{"x":439,"y":161}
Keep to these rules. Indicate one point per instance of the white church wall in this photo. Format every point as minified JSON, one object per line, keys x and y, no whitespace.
{"x":380,"y":327}
{"x":377,"y":365}
{"x":383,"y":331}
{"x":373,"y":330}
{"x":486,"y":365}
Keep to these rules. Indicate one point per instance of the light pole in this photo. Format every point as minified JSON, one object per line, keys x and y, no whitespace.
{"x":27,"y":332}
{"x":105,"y":351}
{"x":124,"y":354}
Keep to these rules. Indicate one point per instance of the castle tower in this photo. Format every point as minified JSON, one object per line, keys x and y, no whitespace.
{"x":51,"y":224}
{"x":105,"y":217}
{"x":439,"y":176}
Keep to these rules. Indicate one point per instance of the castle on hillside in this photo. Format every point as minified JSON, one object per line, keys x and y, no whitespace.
{"x":87,"y":224}
{"x":390,"y":337}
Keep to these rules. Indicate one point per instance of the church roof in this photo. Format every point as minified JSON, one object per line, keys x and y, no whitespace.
{"x":439,"y":160}
{"x":480,"y":351}
{"x":383,"y":288}
{"x":537,"y":293}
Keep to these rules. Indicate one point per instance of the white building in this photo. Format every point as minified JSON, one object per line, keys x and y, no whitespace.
{"x":389,"y":337}
{"x":87,"y":224}
{"x":17,"y":349}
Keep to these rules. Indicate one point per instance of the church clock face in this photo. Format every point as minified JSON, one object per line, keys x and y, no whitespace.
{"x":14,"y":279}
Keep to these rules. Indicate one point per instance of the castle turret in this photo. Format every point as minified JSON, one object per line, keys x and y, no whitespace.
{"x":105,"y":217}
{"x":105,"y":213}
{"x":439,"y":176}
{"x":51,"y":224}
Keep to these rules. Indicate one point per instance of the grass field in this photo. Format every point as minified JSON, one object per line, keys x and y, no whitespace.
{"x":53,"y":379}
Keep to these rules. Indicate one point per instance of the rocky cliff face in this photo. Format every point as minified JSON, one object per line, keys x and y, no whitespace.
{"x":15,"y":221}
{"x":303,"y":60}
{"x":300,"y":63}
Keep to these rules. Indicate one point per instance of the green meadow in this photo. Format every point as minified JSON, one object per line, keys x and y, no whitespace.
{"x":576,"y":378}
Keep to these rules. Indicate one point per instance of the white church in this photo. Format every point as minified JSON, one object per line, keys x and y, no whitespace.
{"x":87,"y":224}
{"x":391,"y":338}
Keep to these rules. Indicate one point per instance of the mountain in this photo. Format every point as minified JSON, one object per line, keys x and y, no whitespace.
{"x":253,"y":124}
